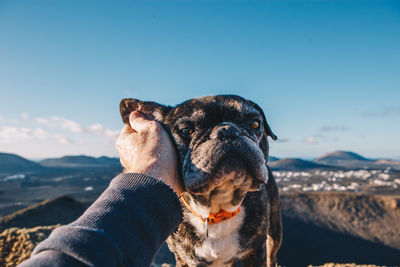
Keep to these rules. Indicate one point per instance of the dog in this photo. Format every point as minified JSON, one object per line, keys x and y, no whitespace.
{"x":230,"y":200}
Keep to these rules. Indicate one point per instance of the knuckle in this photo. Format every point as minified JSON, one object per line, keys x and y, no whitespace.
{"x":118,"y":145}
{"x":155,"y":127}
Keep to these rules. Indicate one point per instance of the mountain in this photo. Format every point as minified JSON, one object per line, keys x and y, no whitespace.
{"x":60,"y":210}
{"x":349,"y":159}
{"x":272,"y":159}
{"x":296,"y":164}
{"x":388,"y":163}
{"x":345,"y":159}
{"x":375,"y":218}
{"x":80,"y":161}
{"x":340,"y":155}
{"x":12,"y":163}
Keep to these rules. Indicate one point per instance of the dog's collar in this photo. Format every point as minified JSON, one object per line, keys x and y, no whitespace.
{"x":213,"y":218}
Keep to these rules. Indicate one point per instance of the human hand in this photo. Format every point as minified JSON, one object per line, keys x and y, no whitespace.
{"x":145,"y":147}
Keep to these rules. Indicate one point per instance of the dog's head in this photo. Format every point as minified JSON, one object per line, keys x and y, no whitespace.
{"x":222,"y":144}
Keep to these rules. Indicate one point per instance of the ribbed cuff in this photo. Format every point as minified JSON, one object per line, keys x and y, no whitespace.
{"x":129,"y":222}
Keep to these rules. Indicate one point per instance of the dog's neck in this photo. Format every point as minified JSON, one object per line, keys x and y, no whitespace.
{"x":209,"y":220}
{"x":213,"y":217}
{"x":227,"y":195}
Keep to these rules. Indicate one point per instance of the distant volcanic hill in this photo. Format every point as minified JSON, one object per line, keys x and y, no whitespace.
{"x":349,"y":159}
{"x":340,"y":227}
{"x":80,"y":161}
{"x":61,"y":210}
{"x":361,"y":215}
{"x":272,"y":159}
{"x":388,"y":163}
{"x":340,"y":155}
{"x":296,"y":164}
{"x":12,"y":163}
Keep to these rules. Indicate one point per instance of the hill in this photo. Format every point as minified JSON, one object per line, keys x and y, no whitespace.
{"x":345,"y":159}
{"x":12,"y":163}
{"x":341,"y":227}
{"x":340,"y":155}
{"x":80,"y":161}
{"x":296,"y":164}
{"x":349,"y":159}
{"x":388,"y":163}
{"x":61,"y":210}
{"x":359,"y":215}
{"x":272,"y":159}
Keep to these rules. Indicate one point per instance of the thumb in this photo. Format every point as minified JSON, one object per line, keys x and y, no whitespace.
{"x":137,"y":121}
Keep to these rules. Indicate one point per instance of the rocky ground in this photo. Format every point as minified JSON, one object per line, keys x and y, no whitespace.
{"x":16,"y":244}
{"x":345,"y":265}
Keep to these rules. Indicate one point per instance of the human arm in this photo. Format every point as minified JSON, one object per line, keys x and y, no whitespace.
{"x":128,"y":223}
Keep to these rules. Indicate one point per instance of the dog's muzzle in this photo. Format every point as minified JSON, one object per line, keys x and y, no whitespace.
{"x":225,"y":149}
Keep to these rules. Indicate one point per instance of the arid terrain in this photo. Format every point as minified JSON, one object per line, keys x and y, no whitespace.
{"x":343,"y":213}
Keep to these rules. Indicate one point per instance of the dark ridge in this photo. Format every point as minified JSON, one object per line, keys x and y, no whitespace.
{"x":307,"y":244}
{"x":340,"y":155}
{"x":80,"y":161}
{"x":346,"y":159}
{"x":12,"y":163}
{"x":61,"y":210}
{"x":272,"y":159}
{"x":374,"y":218}
{"x":296,"y":164}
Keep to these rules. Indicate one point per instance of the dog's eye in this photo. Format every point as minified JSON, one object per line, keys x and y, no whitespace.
{"x":187,"y":131}
{"x":255,"y":124}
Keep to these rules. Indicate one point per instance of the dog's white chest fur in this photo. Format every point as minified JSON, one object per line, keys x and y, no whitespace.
{"x":222,"y":243}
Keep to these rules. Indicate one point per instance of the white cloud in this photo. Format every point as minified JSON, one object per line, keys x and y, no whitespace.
{"x":75,"y":127}
{"x":94,"y":128}
{"x":40,"y":134}
{"x":67,"y":124}
{"x":61,"y":126}
{"x":9,"y":134}
{"x":333,"y":128}
{"x":383,"y":111}
{"x":310,"y":140}
{"x":2,"y":118}
{"x":111,"y":135}
{"x":58,"y":122}
{"x":44,"y":122}
{"x":63,"y":139}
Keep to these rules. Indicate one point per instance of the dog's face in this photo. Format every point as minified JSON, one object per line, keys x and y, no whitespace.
{"x":222,"y":145}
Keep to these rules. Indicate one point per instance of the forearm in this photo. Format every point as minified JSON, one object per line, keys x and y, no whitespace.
{"x":125,"y":226}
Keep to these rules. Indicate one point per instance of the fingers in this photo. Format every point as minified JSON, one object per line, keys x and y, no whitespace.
{"x":139,"y":123}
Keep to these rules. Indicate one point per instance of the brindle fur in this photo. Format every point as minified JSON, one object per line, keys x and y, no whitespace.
{"x":260,"y":233}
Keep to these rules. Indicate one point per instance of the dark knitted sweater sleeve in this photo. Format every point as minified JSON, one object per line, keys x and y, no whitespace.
{"x":125,"y":226}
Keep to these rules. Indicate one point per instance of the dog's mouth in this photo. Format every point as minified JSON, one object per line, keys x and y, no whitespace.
{"x":235,"y":162}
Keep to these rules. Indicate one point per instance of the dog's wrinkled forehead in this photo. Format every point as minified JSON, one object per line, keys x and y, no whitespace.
{"x":204,"y":111}
{"x":213,"y":109}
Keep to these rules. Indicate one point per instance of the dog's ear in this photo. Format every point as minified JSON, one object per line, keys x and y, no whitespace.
{"x":152,"y":110}
{"x":267,"y":128}
{"x":267,"y":132}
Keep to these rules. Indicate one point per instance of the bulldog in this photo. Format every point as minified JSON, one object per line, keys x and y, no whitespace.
{"x":230,"y":200}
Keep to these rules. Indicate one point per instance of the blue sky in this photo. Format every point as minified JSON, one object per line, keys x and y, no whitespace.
{"x":326,"y":73}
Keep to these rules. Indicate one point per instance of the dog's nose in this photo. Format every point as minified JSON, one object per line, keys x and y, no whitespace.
{"x":224,"y":131}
